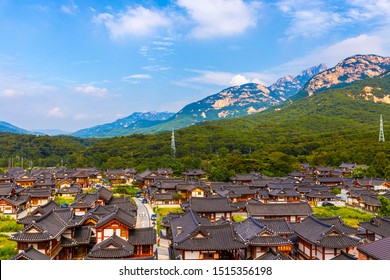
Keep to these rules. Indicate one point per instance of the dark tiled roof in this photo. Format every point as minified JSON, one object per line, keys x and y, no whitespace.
{"x":120,"y":216}
{"x":142,"y":236}
{"x":279,"y":226}
{"x":163,"y":196}
{"x":33,"y":192}
{"x":194,"y":172}
{"x":113,"y":247}
{"x":343,"y":256}
{"x":378,"y":250}
{"x":284,"y":193}
{"x":104,"y":194}
{"x":74,"y":189}
{"x":211,"y":204}
{"x":322,"y":234}
{"x":214,"y":237}
{"x":320,"y":194}
{"x":6,"y":189}
{"x":278,"y":209}
{"x":30,"y":254}
{"x":84,"y":200}
{"x":282,"y":185}
{"x":370,"y":200}
{"x":339,"y":224}
{"x":325,"y":180}
{"x":16,"y":200}
{"x":82,"y":235}
{"x":378,"y":225}
{"x":47,"y":227}
{"x":271,"y":255}
{"x":38,"y":212}
{"x":122,"y":202}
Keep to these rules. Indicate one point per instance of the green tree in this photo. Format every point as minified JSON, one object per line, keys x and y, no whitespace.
{"x":385,"y":206}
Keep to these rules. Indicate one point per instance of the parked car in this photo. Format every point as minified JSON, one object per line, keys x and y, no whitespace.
{"x":144,"y":200}
{"x":326,"y":203}
{"x":153,"y":217}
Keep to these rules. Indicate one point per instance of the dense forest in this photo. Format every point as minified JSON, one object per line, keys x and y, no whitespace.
{"x":329,"y":128}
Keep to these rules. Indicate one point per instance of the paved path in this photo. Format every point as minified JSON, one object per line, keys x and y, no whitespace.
{"x":144,"y":213}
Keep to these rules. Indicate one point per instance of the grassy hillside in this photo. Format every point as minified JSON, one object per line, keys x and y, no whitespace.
{"x":329,"y":128}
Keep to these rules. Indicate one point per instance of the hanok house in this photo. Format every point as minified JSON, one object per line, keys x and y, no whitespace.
{"x":323,"y":171}
{"x":116,"y":176}
{"x":38,"y":212}
{"x":212,"y":207}
{"x":193,"y":174}
{"x":271,"y":255}
{"x":44,"y":234}
{"x":329,"y":181}
{"x":284,"y":196}
{"x":292,"y":212}
{"x":370,"y":202}
{"x":377,"y":228}
{"x":260,"y":239}
{"x":13,"y":205}
{"x":26,"y":180}
{"x":80,"y":178}
{"x":245,"y":178}
{"x":30,"y":254}
{"x":144,"y":241}
{"x":317,"y":196}
{"x":237,"y":193}
{"x":69,"y":191}
{"x":377,"y":250}
{"x":195,"y":239}
{"x":147,"y":177}
{"x":320,"y":240}
{"x":118,"y":222}
{"x":44,"y":183}
{"x":38,"y":197}
{"x":191,"y":189}
{"x":83,"y":202}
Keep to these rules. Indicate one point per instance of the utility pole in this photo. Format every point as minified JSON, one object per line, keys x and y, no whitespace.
{"x":381,"y":133}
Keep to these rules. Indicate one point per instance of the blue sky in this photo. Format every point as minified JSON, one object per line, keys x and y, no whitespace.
{"x":74,"y":64}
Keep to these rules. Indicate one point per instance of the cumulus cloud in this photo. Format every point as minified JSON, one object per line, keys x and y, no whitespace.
{"x":239,"y":80}
{"x":55,"y":113}
{"x":138,"y":21}
{"x":92,"y":90}
{"x":218,"y":18}
{"x":10,"y":93}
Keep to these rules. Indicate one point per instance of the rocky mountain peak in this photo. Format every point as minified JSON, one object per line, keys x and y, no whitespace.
{"x":349,"y":70}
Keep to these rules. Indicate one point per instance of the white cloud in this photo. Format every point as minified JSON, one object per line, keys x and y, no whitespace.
{"x":138,"y":76}
{"x":218,"y":18}
{"x":92,"y":90}
{"x":156,"y":68}
{"x":10,"y":93}
{"x":55,"y":113}
{"x":70,"y":9}
{"x":376,"y":43}
{"x":227,"y":79}
{"x":137,"y":21}
{"x":239,"y":80}
{"x":369,"y":9}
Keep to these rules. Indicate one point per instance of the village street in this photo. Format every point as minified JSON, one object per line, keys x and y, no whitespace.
{"x":144,"y":213}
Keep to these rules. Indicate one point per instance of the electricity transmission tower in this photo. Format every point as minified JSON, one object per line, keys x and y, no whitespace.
{"x":173,"y":145}
{"x":381,"y":133}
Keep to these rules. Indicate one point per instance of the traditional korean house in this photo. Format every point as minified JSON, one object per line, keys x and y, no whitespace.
{"x":344,"y":257}
{"x":130,"y":174}
{"x":319,"y":240}
{"x":6,"y":178}
{"x":165,"y":172}
{"x":347,"y":167}
{"x":284,"y":196}
{"x":38,"y":212}
{"x":377,"y":250}
{"x":375,"y":185}
{"x":64,"y":183}
{"x":378,"y":226}
{"x":238,"y":193}
{"x":260,"y":238}
{"x":163,"y":199}
{"x":262,"y":196}
{"x":113,"y":247}
{"x":69,"y":191}
{"x":7,"y":189}
{"x":144,"y":242}
{"x":83,"y":202}
{"x":13,"y":205}
{"x":195,"y":239}
{"x":38,"y":197}
{"x":212,"y":207}
{"x":80,"y":178}
{"x":191,"y":189}
{"x":271,"y":255}
{"x":293,"y":212}
{"x":193,"y":174}
{"x":26,"y":180}
{"x":44,"y":183}
{"x":116,"y":176}
{"x":316,"y":197}
{"x":245,"y":179}
{"x":30,"y":254}
{"x":325,"y":171}
{"x":118,"y":221}
{"x":296,"y":175}
{"x":279,"y":226}
{"x":329,"y":181}
{"x":370,"y":203}
{"x":147,"y":177}
{"x":123,"y":203}
{"x":44,"y":234}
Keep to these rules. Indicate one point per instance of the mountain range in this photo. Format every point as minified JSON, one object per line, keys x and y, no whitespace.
{"x":248,"y":99}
